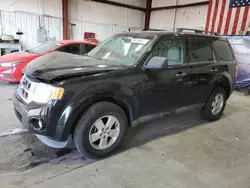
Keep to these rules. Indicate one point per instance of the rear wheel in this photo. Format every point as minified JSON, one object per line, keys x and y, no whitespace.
{"x":215,"y":105}
{"x":100,"y":130}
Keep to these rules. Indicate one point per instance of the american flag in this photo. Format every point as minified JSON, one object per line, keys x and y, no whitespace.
{"x":228,"y":17}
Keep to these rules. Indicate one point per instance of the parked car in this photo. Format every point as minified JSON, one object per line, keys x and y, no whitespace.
{"x":11,"y":65}
{"x":128,"y":79}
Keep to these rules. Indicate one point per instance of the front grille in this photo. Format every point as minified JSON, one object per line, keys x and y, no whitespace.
{"x":25,"y":85}
{"x":26,"y":88}
{"x":24,"y":93}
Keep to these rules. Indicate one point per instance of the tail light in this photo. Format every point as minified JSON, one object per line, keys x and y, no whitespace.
{"x":236,"y":70}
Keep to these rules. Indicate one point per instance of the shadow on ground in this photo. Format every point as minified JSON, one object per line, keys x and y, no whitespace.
{"x":24,"y":152}
{"x":167,"y":125}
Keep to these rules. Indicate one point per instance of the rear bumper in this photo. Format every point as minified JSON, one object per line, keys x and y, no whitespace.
{"x":233,"y":86}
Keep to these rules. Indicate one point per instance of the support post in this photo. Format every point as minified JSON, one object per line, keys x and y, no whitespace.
{"x":148,"y":14}
{"x":65,"y":12}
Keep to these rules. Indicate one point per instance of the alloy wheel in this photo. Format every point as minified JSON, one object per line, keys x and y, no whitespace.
{"x":104,"y":132}
{"x":217,"y":104}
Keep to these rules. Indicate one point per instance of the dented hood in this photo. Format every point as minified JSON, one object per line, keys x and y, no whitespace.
{"x":59,"y":65}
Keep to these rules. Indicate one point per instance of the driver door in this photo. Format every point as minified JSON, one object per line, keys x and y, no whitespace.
{"x":170,"y":84}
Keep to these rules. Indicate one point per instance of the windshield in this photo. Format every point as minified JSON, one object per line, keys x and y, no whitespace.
{"x":122,"y":49}
{"x":44,"y":48}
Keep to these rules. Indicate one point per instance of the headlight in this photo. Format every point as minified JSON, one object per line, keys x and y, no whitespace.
{"x":43,"y":93}
{"x":11,"y":64}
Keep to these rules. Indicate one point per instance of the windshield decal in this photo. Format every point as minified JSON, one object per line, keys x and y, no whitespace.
{"x":140,"y":41}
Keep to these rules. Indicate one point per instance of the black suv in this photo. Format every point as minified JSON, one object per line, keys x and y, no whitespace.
{"x":128,"y":79}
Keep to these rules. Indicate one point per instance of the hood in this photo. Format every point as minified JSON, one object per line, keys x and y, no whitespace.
{"x":59,"y":65}
{"x":17,"y":56}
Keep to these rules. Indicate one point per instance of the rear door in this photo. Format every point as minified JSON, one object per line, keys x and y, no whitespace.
{"x":204,"y":67}
{"x":225,"y":57}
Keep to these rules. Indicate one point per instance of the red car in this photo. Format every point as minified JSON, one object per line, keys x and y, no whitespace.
{"x":11,"y":65}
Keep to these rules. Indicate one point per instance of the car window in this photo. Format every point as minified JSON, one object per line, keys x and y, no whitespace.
{"x":172,"y":49}
{"x":125,"y":49}
{"x":71,"y":48}
{"x":223,"y":51}
{"x":86,"y":48}
{"x":44,"y":48}
{"x":201,"y":50}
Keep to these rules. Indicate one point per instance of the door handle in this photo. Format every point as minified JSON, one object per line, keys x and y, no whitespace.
{"x":214,"y":70}
{"x":181,"y":74}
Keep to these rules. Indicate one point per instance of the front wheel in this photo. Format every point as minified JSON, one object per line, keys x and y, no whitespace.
{"x":215,"y":105}
{"x":100,"y":130}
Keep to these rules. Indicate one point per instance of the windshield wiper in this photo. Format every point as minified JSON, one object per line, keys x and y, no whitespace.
{"x":100,"y":59}
{"x":95,"y":57}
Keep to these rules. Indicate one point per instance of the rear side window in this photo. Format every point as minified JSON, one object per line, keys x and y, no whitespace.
{"x":200,"y":50}
{"x":223,"y":51}
{"x":86,"y":48}
{"x":71,"y":48}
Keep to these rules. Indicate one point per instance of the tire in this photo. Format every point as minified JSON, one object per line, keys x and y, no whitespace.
{"x":91,"y":122}
{"x":207,"y":111}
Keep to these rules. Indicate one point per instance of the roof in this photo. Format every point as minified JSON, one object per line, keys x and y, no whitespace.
{"x":77,"y":41}
{"x":151,"y":32}
{"x":164,"y":33}
{"x":158,"y":32}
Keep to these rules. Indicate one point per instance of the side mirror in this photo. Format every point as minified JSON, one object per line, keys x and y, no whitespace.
{"x":156,"y":62}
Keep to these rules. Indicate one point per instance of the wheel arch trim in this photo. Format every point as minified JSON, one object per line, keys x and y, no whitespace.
{"x":224,"y":80}
{"x":72,"y":113}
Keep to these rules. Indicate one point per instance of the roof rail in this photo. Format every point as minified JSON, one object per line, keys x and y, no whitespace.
{"x":154,"y":30}
{"x":196,"y":31}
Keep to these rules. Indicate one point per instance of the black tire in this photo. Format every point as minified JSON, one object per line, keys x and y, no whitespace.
{"x":81,"y":133}
{"x":206,"y":111}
